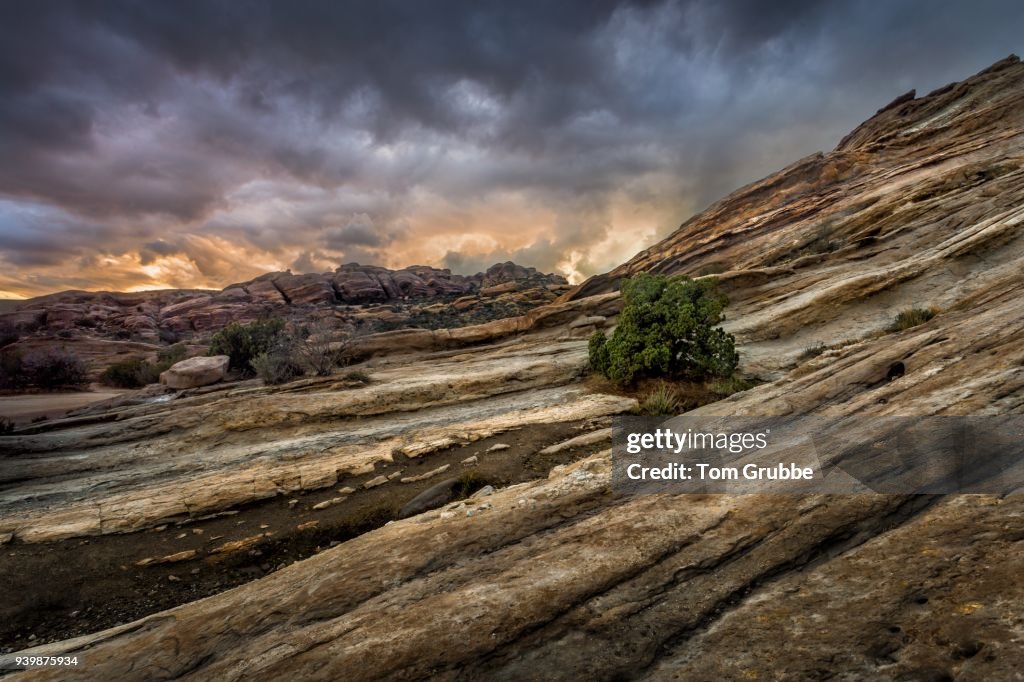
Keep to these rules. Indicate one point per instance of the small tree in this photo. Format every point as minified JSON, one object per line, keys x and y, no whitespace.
{"x":242,"y":343}
{"x":667,"y":328}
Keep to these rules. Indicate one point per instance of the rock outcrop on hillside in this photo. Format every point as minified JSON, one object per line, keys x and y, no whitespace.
{"x":559,"y":578}
{"x":150,"y":316}
{"x":105,"y":327}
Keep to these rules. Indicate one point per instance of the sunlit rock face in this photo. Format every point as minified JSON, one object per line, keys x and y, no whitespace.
{"x":559,"y":578}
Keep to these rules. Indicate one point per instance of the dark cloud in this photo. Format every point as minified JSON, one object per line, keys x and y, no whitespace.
{"x":360,"y":232}
{"x":553,"y":133}
{"x":150,"y":251}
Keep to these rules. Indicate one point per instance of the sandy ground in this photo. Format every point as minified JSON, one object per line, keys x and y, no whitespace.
{"x":26,"y":407}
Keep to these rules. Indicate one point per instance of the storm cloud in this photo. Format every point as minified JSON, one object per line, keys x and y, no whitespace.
{"x":197,"y":143}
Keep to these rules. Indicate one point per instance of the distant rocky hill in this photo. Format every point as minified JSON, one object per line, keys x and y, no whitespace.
{"x":422,"y":293}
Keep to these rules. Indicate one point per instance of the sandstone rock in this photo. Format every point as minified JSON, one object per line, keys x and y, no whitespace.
{"x":169,"y":559}
{"x":498,"y":289}
{"x":486,"y":491}
{"x":588,"y":321}
{"x":305,"y":289}
{"x":374,"y":482}
{"x":471,"y":460}
{"x":328,"y":503}
{"x":498,"y":447}
{"x":197,"y":371}
{"x":429,"y":474}
{"x":264,"y":291}
{"x":238,"y":545}
{"x":185,"y":307}
{"x":166,"y":316}
{"x":579,"y":441}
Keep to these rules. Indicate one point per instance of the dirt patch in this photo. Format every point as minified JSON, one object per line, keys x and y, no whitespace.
{"x":59,"y":590}
{"x":26,"y":407}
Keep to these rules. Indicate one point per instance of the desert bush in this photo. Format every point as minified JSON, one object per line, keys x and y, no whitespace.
{"x":52,"y":368}
{"x":666,"y":329}
{"x":911,"y":317}
{"x":11,"y":373}
{"x":170,"y":355}
{"x":136,"y":373}
{"x":277,"y":366}
{"x":132,"y":373}
{"x":662,"y":401}
{"x":8,"y":333}
{"x":357,"y":375}
{"x":242,"y":343}
{"x":813,"y":351}
{"x":321,"y":349}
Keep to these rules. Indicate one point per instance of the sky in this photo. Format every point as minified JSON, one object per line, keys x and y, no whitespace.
{"x":196,"y":143}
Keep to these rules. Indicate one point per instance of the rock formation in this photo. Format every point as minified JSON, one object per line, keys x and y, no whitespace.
{"x":559,"y":578}
{"x":142,"y":315}
{"x":367,"y":296}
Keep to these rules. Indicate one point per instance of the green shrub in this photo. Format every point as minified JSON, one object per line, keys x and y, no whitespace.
{"x":242,"y":343}
{"x":911,"y":317}
{"x":662,"y":401}
{"x":666,"y":329}
{"x":132,"y":373}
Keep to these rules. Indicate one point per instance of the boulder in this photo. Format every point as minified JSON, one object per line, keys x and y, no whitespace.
{"x":194,"y":372}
